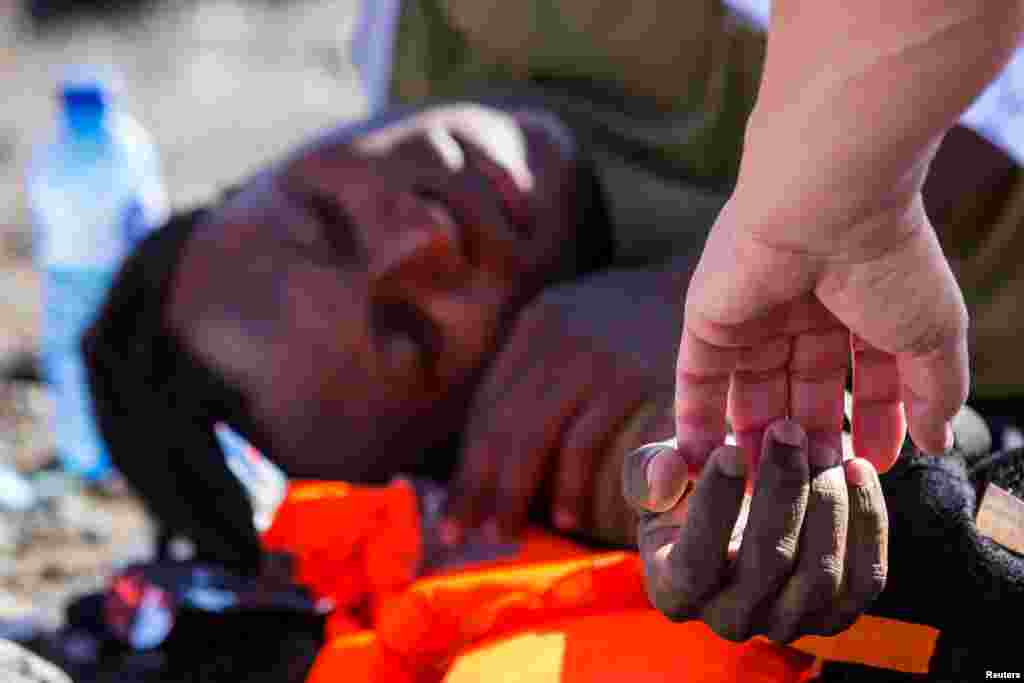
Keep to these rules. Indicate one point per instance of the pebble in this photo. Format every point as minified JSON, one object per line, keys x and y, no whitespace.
{"x":18,"y":665}
{"x":16,"y":493}
{"x":10,"y":535}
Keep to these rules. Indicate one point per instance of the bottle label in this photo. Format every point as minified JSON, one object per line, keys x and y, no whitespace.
{"x":72,"y":297}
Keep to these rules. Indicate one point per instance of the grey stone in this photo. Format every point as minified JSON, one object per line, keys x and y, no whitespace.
{"x":18,"y":665}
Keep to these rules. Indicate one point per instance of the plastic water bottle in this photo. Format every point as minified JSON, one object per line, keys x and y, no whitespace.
{"x":94,"y":188}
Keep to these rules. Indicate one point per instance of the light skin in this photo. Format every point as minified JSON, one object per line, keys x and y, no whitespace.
{"x":371,"y":296}
{"x":824,"y":258}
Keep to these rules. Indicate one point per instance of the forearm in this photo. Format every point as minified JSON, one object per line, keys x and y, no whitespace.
{"x":854,"y":99}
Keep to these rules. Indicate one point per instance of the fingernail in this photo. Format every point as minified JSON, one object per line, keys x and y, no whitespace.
{"x":786,"y":441}
{"x":823,"y":457}
{"x":857,"y":472}
{"x":787,"y":433}
{"x":950,"y":437}
{"x":450,"y":532}
{"x":564,"y":520}
{"x":664,"y":471}
{"x":731,"y":461}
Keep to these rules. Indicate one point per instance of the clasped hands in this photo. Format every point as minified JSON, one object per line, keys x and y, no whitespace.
{"x":808,"y":558}
{"x":787,"y":303}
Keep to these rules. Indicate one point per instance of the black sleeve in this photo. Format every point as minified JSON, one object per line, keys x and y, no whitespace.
{"x":944,"y":573}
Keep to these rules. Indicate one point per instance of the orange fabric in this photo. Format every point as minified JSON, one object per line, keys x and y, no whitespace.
{"x":553,"y":612}
{"x":350,"y":543}
{"x":875,"y":641}
{"x":638,"y":646}
{"x":436,"y":618}
{"x":358,"y":658}
{"x":538,"y":545}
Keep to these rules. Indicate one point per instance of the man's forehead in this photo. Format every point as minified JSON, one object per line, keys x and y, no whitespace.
{"x":241,"y":223}
{"x":228,"y":271}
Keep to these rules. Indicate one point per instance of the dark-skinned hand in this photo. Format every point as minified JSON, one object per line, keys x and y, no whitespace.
{"x":813,"y":554}
{"x":574,"y":368}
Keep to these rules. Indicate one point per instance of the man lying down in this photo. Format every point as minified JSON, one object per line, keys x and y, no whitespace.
{"x":437,"y":293}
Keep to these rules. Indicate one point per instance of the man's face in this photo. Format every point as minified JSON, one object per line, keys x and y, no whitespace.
{"x":354,"y":291}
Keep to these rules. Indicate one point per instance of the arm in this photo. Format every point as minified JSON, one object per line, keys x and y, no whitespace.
{"x":853,"y":101}
{"x":824,"y":251}
{"x":582,"y":366}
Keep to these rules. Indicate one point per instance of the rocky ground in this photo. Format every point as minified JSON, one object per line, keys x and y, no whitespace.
{"x":223,"y":86}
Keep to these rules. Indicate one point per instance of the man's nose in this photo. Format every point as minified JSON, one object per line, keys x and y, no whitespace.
{"x":416,"y":246}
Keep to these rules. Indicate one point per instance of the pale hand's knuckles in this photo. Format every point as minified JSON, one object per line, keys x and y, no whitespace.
{"x":934,"y":334}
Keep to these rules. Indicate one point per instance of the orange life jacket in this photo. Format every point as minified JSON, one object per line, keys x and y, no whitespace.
{"x":556,"y":612}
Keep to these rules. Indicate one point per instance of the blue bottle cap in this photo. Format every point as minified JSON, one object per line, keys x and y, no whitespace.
{"x":86,"y":93}
{"x":89,"y":78}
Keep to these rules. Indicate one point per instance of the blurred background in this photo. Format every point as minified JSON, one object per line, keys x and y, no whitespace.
{"x":222,"y":86}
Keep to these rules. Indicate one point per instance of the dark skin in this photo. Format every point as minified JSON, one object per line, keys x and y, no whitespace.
{"x":373,"y":296}
{"x":363,"y":287}
{"x":591,"y":357}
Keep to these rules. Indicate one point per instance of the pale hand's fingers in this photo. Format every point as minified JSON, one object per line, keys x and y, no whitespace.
{"x":934,"y":370}
{"x":879,"y":424}
{"x":685,"y":548}
{"x":759,"y":394}
{"x":906,"y":302}
{"x":814,"y":588}
{"x":935,"y":387}
{"x":770,"y":544}
{"x":703,"y":374}
{"x":818,"y":367}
